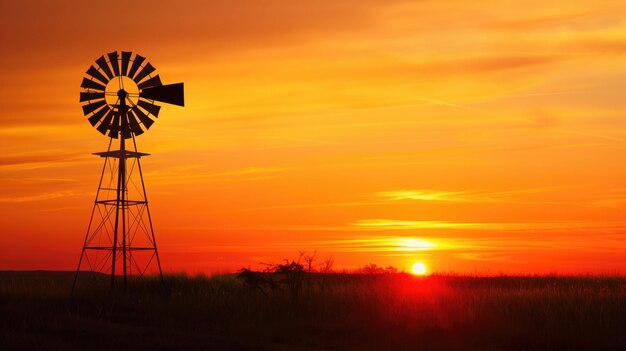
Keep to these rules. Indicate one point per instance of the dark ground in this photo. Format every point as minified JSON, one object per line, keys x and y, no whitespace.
{"x":320,"y":312}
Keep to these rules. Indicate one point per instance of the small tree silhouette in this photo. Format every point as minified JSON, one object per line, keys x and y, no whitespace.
{"x":293,"y":273}
{"x":256,"y":280}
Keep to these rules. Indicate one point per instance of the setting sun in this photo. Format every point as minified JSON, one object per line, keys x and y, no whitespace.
{"x":418,"y":268}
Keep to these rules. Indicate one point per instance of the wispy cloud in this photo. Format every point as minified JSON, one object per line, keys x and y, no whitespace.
{"x":544,"y":21}
{"x":35,"y":162}
{"x":403,"y":224}
{"x":423,"y":195}
{"x":403,"y":195}
{"x":379,"y":244}
{"x":485,"y":257}
{"x":396,"y":196}
{"x":393,"y":224}
{"x":464,"y":196}
{"x":38,"y":197}
{"x":604,"y":198}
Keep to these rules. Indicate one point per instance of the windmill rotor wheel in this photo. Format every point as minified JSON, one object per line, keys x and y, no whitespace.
{"x":120,"y":92}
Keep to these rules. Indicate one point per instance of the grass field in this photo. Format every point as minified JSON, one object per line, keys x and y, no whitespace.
{"x":329,"y":312}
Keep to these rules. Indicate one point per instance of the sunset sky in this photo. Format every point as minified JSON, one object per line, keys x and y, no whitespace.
{"x":473,"y":136}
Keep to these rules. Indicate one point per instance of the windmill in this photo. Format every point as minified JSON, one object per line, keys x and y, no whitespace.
{"x":119,"y":96}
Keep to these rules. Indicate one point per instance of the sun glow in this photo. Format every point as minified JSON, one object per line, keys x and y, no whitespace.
{"x":414,"y":244}
{"x":418,"y":268}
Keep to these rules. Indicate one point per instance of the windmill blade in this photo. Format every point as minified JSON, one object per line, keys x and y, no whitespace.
{"x":102,"y":63}
{"x":95,"y":118}
{"x":114,"y":129}
{"x":125,"y":60}
{"x":106,"y":123}
{"x":89,"y":108}
{"x":90,"y":84}
{"x":153,"y":109}
{"x":114,"y":63}
{"x":145,"y":120}
{"x":134,"y":124}
{"x":152,"y":82}
{"x":136,"y":64}
{"x":147,"y":69}
{"x":170,"y":94}
{"x":85,"y":96}
{"x":92,"y":71}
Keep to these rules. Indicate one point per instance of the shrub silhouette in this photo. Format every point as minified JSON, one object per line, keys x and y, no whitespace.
{"x":256,"y":280}
{"x":373,"y":268}
{"x":291,"y":276}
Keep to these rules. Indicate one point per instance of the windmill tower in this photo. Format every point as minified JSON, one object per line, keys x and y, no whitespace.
{"x":119,"y":98}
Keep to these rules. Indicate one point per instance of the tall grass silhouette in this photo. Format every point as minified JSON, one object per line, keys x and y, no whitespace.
{"x":350,"y":311}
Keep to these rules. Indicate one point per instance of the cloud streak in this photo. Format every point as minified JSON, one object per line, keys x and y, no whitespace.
{"x":37,"y":197}
{"x":391,"y":224}
{"x":504,"y":196}
{"x":422,"y":195}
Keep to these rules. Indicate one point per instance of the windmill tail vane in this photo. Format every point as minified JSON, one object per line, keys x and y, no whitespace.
{"x":119,"y":98}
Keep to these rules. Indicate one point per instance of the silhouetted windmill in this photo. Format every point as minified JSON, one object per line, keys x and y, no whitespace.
{"x":119,"y":95}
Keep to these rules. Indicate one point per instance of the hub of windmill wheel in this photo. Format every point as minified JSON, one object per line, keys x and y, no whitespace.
{"x":120,"y":88}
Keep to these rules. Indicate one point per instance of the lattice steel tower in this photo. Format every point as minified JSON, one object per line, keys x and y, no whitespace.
{"x":118,"y":96}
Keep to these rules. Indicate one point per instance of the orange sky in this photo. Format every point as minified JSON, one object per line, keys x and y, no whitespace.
{"x":475,"y":136}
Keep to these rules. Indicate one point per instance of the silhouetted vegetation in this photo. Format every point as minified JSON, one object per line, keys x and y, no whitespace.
{"x":373,"y":268}
{"x":289,"y":308}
